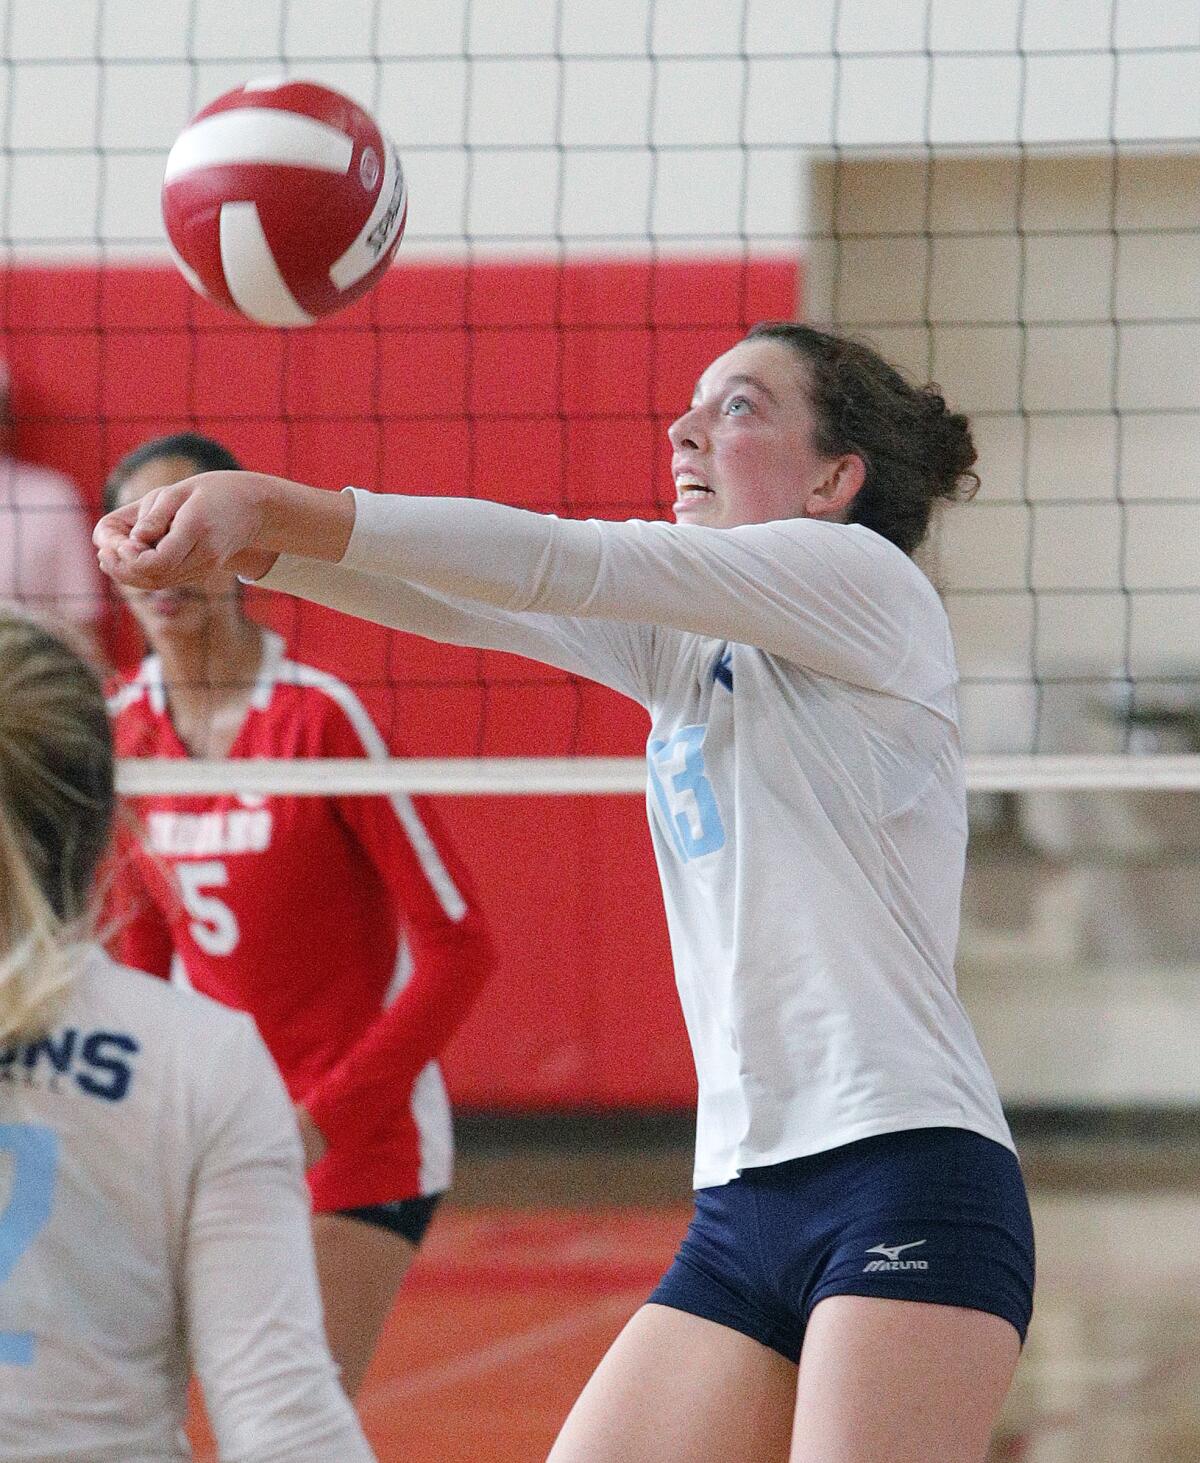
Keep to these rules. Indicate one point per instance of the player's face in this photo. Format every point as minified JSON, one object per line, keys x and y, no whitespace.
{"x":188,"y":610}
{"x":743,"y":452}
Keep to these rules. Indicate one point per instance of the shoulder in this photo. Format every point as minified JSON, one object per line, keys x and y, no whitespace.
{"x":158,"y":1009}
{"x":329,"y":706}
{"x":130,"y":687}
{"x":195,"y":1072}
{"x":866,"y":564}
{"x":203,"y":1058}
{"x":851,"y":545}
{"x":136,"y":702}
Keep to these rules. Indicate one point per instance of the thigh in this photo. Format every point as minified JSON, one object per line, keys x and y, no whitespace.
{"x":905,"y":1381}
{"x":361,"y":1267}
{"x":677,"y":1388}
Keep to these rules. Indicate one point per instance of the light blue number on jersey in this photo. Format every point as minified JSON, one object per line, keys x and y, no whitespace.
{"x":34,"y":1152}
{"x":684,"y":794}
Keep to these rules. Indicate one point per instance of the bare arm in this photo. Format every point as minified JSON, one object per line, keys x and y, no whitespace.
{"x":242,"y":519}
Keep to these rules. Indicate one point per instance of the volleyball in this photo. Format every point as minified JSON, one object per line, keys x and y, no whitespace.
{"x":283,"y":201}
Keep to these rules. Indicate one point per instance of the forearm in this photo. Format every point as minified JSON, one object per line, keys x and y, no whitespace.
{"x":295,"y":519}
{"x":476,"y":551}
{"x":401,"y":606}
{"x":180,"y":533}
{"x":408,"y":1035}
{"x":591,"y":648}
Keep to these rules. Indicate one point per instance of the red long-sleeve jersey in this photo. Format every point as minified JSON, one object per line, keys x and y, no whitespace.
{"x":343,"y":925}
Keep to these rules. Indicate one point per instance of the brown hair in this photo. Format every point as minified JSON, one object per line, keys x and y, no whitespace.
{"x":914,"y":448}
{"x":56,"y":809}
{"x":203,"y":453}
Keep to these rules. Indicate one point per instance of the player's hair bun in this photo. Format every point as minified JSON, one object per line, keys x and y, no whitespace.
{"x":949,"y":448}
{"x":916,"y":449}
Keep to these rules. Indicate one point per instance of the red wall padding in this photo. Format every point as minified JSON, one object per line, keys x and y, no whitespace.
{"x":546,"y":387}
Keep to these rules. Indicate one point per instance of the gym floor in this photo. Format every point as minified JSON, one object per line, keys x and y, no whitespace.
{"x":556,"y":1233}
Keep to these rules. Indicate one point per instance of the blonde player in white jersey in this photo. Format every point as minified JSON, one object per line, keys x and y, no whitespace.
{"x":153,"y":1214}
{"x":857,"y":1279}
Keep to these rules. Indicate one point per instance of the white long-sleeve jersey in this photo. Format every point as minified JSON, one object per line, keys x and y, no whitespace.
{"x":152,"y":1206}
{"x":805,"y":787}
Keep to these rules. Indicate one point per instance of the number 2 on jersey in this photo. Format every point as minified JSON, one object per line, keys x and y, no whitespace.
{"x":684,"y":793}
{"x":213,"y":925}
{"x":34,"y":1151}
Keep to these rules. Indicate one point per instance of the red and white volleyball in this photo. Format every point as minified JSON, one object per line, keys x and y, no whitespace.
{"x":283,"y":201}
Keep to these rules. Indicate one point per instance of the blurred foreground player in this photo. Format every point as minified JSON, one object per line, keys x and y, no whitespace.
{"x":342,"y":925}
{"x":154,"y":1211}
{"x":46,"y":560}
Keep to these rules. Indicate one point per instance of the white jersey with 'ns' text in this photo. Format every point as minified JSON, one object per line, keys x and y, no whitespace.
{"x":154,"y":1218}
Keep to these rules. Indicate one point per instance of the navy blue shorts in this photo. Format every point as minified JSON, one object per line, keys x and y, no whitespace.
{"x":409,"y":1218}
{"x":929,"y":1214}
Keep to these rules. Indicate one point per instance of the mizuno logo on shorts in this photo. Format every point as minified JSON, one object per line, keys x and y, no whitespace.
{"x":892,"y":1260}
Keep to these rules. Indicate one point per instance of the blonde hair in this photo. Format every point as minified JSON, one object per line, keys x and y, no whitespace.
{"x":56,"y":808}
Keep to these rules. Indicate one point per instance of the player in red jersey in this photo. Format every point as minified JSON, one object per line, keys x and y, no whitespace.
{"x":343,"y":925}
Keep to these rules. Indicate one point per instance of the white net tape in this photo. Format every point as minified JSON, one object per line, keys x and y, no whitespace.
{"x":538,"y":775}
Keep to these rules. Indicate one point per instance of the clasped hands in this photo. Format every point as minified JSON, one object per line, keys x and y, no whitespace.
{"x":179,"y":534}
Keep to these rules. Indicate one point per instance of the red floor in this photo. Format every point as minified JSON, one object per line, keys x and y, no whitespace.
{"x":507,"y":1312}
{"x":498,"y":1327}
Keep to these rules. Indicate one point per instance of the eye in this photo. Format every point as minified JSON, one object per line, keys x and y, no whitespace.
{"x":737,"y":405}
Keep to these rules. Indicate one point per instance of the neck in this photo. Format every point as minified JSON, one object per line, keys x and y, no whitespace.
{"x":213,"y":668}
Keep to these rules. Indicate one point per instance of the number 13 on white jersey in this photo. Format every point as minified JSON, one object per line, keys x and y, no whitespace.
{"x":684,"y":794}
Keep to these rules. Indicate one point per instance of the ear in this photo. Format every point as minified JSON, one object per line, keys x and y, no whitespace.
{"x":832,"y":496}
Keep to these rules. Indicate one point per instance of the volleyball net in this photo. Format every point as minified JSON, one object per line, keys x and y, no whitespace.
{"x":602,"y":199}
